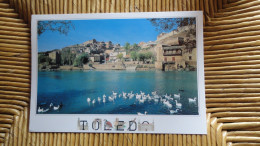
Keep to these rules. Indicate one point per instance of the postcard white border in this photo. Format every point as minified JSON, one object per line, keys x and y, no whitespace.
{"x":172,"y":124}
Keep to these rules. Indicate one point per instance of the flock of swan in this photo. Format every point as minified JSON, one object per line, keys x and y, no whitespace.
{"x":51,"y":107}
{"x":172,"y":103}
{"x":166,"y":100}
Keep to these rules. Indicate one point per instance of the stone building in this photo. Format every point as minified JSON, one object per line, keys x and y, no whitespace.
{"x":190,"y":57}
{"x":176,"y":50}
{"x":108,"y":52}
{"x":95,"y":58}
{"x":169,"y":57}
{"x":87,"y":50}
{"x":175,"y":57}
{"x":55,"y":57}
{"x":113,"y":55}
{"x":109,"y":45}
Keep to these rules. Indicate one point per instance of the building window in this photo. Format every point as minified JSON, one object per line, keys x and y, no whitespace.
{"x":165,"y":59}
{"x":190,"y":58}
{"x":190,"y":51}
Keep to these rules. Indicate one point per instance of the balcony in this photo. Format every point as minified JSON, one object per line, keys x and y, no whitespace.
{"x":172,"y":54}
{"x":168,"y":62}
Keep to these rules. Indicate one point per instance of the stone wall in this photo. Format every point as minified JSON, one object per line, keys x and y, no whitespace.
{"x":158,"y":65}
{"x":69,"y":67}
{"x":191,"y":57}
{"x":108,"y":66}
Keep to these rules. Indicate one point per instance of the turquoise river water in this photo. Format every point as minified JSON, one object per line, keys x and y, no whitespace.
{"x":72,"y":88}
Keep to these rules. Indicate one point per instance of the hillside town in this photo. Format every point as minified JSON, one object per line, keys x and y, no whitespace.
{"x":175,"y":50}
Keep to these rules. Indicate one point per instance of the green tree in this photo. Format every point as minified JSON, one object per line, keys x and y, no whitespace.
{"x":149,"y":55}
{"x":62,"y":26}
{"x":44,"y":59}
{"x":81,"y":59}
{"x":133,"y":55}
{"x":135,"y":47}
{"x":67,"y":57}
{"x":141,"y":57}
{"x":119,"y":56}
{"x":127,"y":46}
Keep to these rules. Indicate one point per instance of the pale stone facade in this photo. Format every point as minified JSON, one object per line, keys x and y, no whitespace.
{"x":113,"y":55}
{"x":174,"y":52}
{"x":95,"y":58}
{"x":190,"y":56}
{"x":55,"y":57}
{"x":169,"y":57}
{"x":173,"y":59}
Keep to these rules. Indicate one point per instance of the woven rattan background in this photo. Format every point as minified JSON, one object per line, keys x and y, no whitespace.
{"x":232,"y":71}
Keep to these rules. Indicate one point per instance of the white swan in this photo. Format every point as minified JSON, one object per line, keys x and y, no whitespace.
{"x":131,"y":96}
{"x":177,"y":96}
{"x":156,"y":96}
{"x":56,"y":107}
{"x":192,"y":100}
{"x":51,"y":105}
{"x":168,"y":104}
{"x":88,"y":100}
{"x":141,"y":100}
{"x":114,"y":93}
{"x":104,"y":100}
{"x":140,"y":114}
{"x":178,"y":105}
{"x":110,"y":98}
{"x":144,"y":97}
{"x":168,"y":96}
{"x":174,"y":111}
{"x":40,"y":109}
{"x":138,"y":96}
{"x":45,"y":110}
{"x":104,"y":96}
{"x":154,"y":93}
{"x":93,"y":101}
{"x":149,"y":97}
{"x":99,"y":99}
{"x":163,"y":100}
{"x":125,"y":97}
{"x":142,"y":93}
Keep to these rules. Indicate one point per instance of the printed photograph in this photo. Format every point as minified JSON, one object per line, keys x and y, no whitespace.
{"x":118,"y":66}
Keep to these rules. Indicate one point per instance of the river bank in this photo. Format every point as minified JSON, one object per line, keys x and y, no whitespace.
{"x":107,"y":66}
{"x":142,"y":67}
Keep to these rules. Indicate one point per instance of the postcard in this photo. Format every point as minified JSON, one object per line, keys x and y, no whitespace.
{"x":118,"y":73}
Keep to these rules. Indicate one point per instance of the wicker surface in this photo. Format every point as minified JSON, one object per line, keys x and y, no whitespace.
{"x":232,"y":57}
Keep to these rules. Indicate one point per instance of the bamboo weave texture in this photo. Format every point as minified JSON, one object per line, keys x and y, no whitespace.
{"x":232,"y":71}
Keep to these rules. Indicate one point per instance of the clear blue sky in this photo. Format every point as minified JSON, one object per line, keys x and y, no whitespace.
{"x":117,"y":30}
